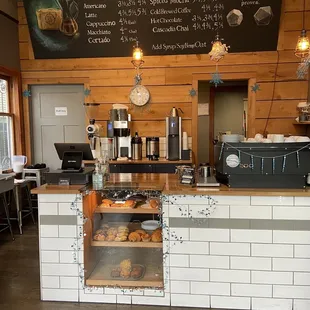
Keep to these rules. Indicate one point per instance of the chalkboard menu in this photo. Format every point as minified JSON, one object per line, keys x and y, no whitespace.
{"x":109,"y":28}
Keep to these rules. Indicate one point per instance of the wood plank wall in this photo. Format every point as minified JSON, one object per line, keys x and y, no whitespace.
{"x":170,"y":78}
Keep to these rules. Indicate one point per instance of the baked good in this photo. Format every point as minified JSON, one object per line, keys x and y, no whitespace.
{"x":121,"y":234}
{"x":123,"y":229}
{"x":154,"y":203}
{"x":99,"y":237}
{"x":141,"y":232}
{"x":105,"y":226}
{"x":146,"y":238}
{"x":120,"y":238}
{"x":136,"y":272}
{"x":49,"y":19}
{"x":110,"y":238}
{"x":125,"y":264}
{"x":106,"y":203}
{"x":112,"y":231}
{"x":134,"y":237}
{"x":156,"y":236}
{"x":129,"y":203}
{"x":125,"y":273}
{"x":99,"y":232}
{"x":116,"y":205}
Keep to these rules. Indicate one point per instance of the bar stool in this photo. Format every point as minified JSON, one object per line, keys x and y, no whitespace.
{"x":6,"y":186}
{"x":7,"y":213}
{"x":18,"y":186}
{"x":36,"y":175}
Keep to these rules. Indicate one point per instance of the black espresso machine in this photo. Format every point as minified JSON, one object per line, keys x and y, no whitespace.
{"x":262,"y":165}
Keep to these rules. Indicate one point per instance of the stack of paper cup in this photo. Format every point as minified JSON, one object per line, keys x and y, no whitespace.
{"x":277,"y":138}
{"x":185,"y":141}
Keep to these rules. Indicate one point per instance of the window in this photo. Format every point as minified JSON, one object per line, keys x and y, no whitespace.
{"x":6,"y":126}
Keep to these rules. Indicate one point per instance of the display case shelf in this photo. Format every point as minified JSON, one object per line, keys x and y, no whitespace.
{"x":101,"y":276}
{"x":138,"y":210}
{"x":127,"y":244}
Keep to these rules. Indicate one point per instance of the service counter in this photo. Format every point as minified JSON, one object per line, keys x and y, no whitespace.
{"x":221,"y":247}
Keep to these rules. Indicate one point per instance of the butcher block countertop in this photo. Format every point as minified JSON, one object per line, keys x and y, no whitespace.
{"x":144,"y":161}
{"x":169,"y":184}
{"x":57,"y":189}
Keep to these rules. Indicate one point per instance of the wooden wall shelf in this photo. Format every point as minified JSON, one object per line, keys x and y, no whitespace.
{"x":127,"y":244}
{"x":302,"y":123}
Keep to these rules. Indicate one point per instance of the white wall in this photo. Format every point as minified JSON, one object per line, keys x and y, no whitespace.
{"x":228,"y":112}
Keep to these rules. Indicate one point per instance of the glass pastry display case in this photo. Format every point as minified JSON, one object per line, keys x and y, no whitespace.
{"x":123,"y":238}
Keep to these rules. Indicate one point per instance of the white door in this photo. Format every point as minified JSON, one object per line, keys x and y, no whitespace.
{"x":57,"y":115}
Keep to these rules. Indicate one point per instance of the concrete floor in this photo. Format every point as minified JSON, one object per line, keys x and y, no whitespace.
{"x":19,"y":276}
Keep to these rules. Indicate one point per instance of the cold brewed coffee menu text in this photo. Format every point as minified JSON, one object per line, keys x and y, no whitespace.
{"x":109,"y":28}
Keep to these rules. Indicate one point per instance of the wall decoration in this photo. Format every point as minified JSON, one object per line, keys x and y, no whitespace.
{"x":87,"y":92}
{"x":193,"y":92}
{"x":262,"y":159}
{"x":216,"y":79}
{"x":303,"y":68}
{"x":263,"y":16}
{"x":234,"y":18}
{"x":104,"y":28}
{"x":255,"y":88}
{"x":26,"y":93}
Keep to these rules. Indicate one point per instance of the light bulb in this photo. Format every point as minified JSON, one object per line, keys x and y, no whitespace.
{"x":137,"y":54}
{"x":303,"y":45}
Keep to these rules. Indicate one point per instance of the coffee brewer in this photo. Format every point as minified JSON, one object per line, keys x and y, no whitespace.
{"x":120,"y":123}
{"x":174,"y":135}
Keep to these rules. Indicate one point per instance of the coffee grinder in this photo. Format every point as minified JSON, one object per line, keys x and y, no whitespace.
{"x":174,"y":135}
{"x":121,"y":122}
{"x":94,"y":130}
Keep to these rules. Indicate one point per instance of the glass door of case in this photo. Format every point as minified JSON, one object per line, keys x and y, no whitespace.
{"x":124,"y":240}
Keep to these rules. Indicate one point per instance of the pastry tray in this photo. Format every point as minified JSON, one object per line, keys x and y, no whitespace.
{"x":131,"y":278}
{"x":120,"y":202}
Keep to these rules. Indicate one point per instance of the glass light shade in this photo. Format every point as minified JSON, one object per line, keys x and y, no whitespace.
{"x":137,"y":56}
{"x":219,"y":50}
{"x":303,"y":45}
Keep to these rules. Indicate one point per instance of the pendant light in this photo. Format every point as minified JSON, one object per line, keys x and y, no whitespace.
{"x":303,"y":43}
{"x":137,"y":56}
{"x":219,"y":50}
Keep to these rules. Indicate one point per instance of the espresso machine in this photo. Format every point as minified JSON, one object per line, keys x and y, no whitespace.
{"x":174,"y":135}
{"x":119,"y":124}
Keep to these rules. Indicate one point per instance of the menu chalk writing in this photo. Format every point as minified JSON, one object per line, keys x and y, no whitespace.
{"x":110,"y":28}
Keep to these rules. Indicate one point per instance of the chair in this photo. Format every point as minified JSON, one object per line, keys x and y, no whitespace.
{"x":6,"y":185}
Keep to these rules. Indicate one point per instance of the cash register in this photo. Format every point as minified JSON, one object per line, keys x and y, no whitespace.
{"x":72,"y":171}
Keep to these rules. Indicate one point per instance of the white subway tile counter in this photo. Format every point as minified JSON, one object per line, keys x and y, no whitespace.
{"x":226,"y":252}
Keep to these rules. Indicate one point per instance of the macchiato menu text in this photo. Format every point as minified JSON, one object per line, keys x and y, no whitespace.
{"x":110,"y":28}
